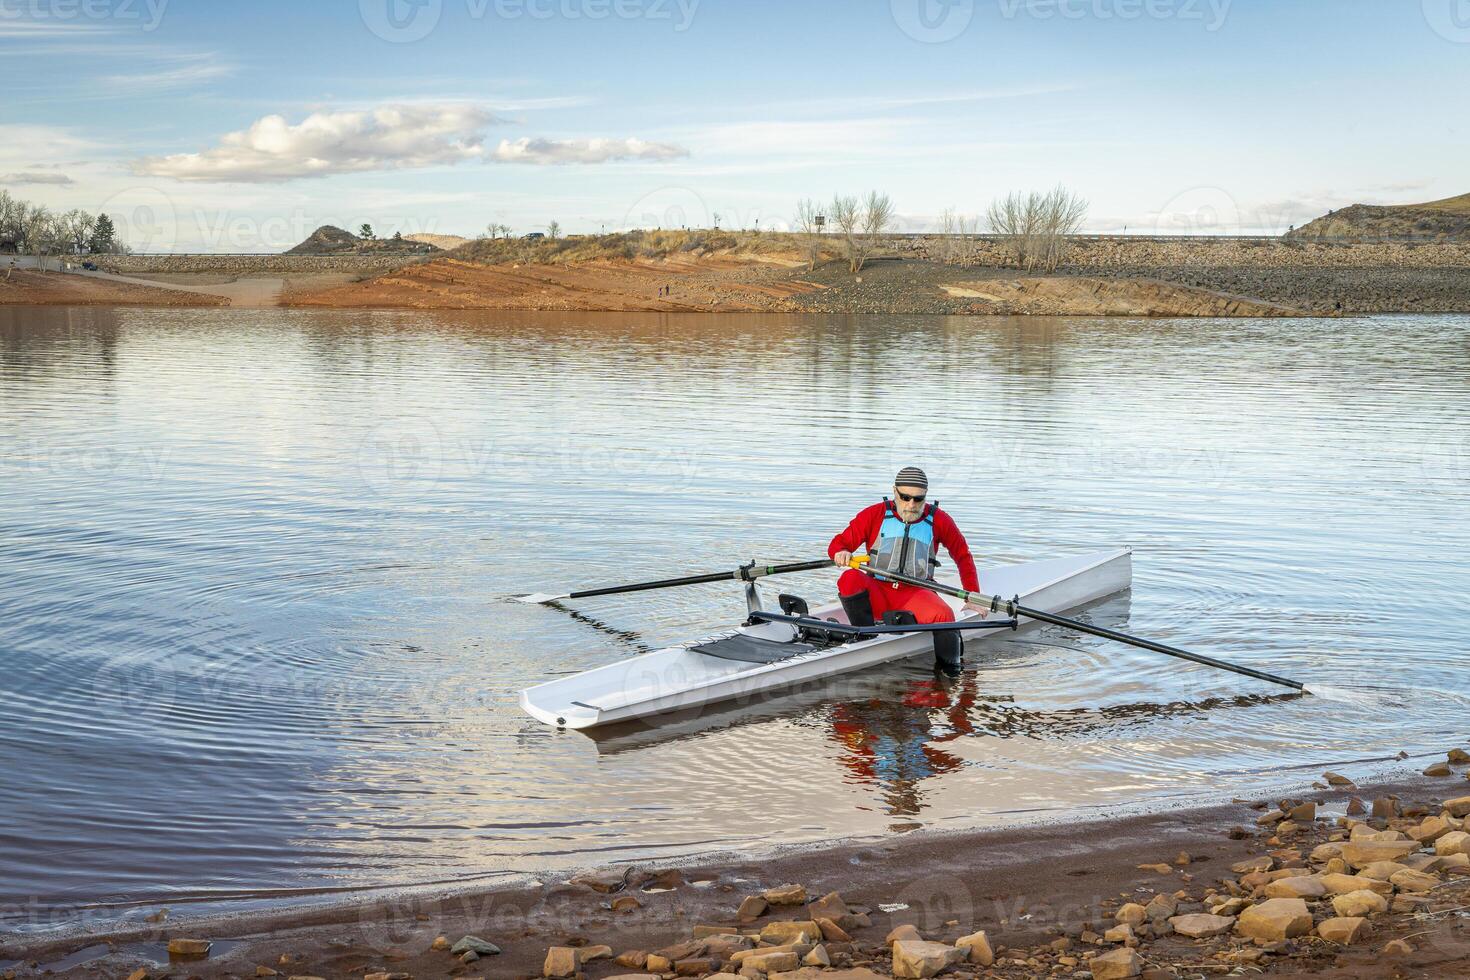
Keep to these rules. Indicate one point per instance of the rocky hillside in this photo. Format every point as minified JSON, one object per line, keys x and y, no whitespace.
{"x":331,"y":240}
{"x":1436,"y":221}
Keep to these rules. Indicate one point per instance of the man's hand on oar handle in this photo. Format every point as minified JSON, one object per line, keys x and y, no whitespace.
{"x":846,"y":559}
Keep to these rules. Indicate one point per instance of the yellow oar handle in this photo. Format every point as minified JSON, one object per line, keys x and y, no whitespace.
{"x":858,"y":561}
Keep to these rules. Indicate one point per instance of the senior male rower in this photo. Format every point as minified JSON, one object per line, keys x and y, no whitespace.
{"x":903,"y":535}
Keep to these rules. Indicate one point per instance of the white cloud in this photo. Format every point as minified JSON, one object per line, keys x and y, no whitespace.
{"x":549,"y":151}
{"x":35,"y":177}
{"x":386,"y":138}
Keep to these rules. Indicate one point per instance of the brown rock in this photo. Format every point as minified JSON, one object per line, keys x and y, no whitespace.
{"x":977,"y":946}
{"x":1119,"y":964}
{"x":1355,"y":807}
{"x":1458,"y":756}
{"x":696,"y":967}
{"x":1160,"y":868}
{"x":1455,"y":842}
{"x":1275,"y":919}
{"x":1132,"y":914}
{"x":770,"y":961}
{"x":1408,"y":880}
{"x":1298,"y":886}
{"x":440,"y":944}
{"x":260,"y":971}
{"x":1439,"y":769}
{"x":752,"y":907}
{"x":141,"y":973}
{"x":1410,"y":903}
{"x":658,"y":964}
{"x":786,"y":933}
{"x":1344,"y":930}
{"x":915,"y":958}
{"x":1201,"y":926}
{"x":188,"y":947}
{"x":1459,"y":806}
{"x":625,"y":903}
{"x":1303,"y":812}
{"x":1431,"y":830}
{"x":1335,"y":779}
{"x":1363,"y":903}
{"x":634,"y":959}
{"x":832,"y":932}
{"x":785,"y":895}
{"x":587,"y":953}
{"x":1361,"y":853}
{"x":1381,"y":872}
{"x":1270,"y":817}
{"x":829,"y":906}
{"x":902,"y":933}
{"x":817,"y":957}
{"x":1263,"y":862}
{"x":1338,"y":884}
{"x":604,"y":882}
{"x":1397,"y":947}
{"x":561,"y":962}
{"x":1385,"y":808}
{"x":1121,"y":933}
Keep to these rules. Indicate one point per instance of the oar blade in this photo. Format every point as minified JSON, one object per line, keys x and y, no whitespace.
{"x":539,"y":598}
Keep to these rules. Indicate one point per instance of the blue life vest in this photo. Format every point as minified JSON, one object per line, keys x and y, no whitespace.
{"x":909,"y":549}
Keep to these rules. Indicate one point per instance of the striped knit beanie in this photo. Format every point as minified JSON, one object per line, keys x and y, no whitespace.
{"x":911,"y":476}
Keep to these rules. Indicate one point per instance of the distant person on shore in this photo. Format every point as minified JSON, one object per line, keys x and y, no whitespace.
{"x":10,"y":269}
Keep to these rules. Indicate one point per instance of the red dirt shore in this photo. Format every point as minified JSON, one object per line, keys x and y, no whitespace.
{"x":618,"y":285}
{"x":60,"y":289}
{"x":1044,"y":895}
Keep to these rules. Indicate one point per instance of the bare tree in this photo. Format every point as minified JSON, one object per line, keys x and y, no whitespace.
{"x":861,"y":222}
{"x":77,"y":225}
{"x":1036,"y":226}
{"x":553,"y":231}
{"x":847,"y":216}
{"x":38,"y":230}
{"x":809,"y":227}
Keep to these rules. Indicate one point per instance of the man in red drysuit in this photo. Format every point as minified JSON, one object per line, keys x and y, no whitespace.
{"x":903,"y":535}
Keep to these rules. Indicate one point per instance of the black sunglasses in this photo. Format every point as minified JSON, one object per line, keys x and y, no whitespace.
{"x":917,"y":498}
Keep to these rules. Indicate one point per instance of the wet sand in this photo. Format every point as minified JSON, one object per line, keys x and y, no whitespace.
{"x":1042,"y":894}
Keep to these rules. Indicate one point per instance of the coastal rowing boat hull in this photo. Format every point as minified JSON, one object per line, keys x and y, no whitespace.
{"x":678,"y":678}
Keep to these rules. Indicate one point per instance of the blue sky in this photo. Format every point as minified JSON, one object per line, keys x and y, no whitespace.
{"x":240,"y":127}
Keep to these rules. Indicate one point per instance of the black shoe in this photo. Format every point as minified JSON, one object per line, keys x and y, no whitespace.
{"x":859,"y":609}
{"x":949,"y":652}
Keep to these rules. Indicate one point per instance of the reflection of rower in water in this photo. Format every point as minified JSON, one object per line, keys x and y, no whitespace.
{"x":892,"y":744}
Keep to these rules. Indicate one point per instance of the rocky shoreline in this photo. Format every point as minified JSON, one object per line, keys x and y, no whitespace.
{"x":907,"y":275}
{"x":1339,"y":881}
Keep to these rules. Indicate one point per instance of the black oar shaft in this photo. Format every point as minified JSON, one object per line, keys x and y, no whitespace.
{"x":1146,"y":644}
{"x":1013,"y":608}
{"x":741,"y":574}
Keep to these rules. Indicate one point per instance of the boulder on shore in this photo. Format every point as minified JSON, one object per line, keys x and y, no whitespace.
{"x":1275,"y":919}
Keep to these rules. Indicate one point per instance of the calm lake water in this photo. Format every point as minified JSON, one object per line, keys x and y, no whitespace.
{"x":252,"y":569}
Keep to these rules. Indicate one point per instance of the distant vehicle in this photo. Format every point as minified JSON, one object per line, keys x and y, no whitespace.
{"x":90,"y":266}
{"x":534,"y":236}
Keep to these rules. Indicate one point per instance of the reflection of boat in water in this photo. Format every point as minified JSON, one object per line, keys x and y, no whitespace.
{"x":898,"y":725}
